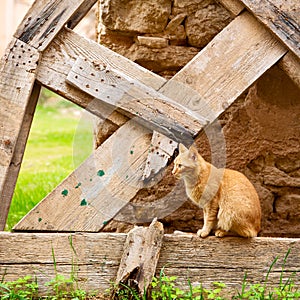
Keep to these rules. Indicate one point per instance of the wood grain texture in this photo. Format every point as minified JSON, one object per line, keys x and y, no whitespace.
{"x":136,"y":100}
{"x":225,"y":68}
{"x":140,"y":257}
{"x":248,"y":51}
{"x":57,"y":61}
{"x":80,"y":13}
{"x":98,"y":256}
{"x":46,"y":18}
{"x":290,"y":64}
{"x":17,"y":67}
{"x":234,"y":6}
{"x":281,"y":17}
{"x":96,"y":191}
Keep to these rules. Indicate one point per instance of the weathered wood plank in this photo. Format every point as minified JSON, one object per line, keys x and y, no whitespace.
{"x":223,"y":70}
{"x":95,"y":262}
{"x":80,"y":13}
{"x":186,"y":256}
{"x":46,"y":18}
{"x":161,"y":150}
{"x":57,"y":61}
{"x":281,"y":17}
{"x":17,"y":157}
{"x":96,"y":191}
{"x":17,"y":69}
{"x":140,"y":257}
{"x":234,"y":6}
{"x":136,"y":100}
{"x":290,"y":64}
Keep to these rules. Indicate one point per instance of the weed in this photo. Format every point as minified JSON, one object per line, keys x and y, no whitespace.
{"x":23,"y":288}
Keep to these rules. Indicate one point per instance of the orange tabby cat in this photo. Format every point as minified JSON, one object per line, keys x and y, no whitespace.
{"x":230,"y":202}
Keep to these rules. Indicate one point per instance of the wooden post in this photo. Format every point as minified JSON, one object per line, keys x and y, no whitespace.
{"x":140,"y":257}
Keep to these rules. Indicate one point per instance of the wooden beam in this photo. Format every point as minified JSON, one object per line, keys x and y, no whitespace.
{"x":222,"y":71}
{"x":234,"y":6}
{"x":97,"y":257}
{"x":80,"y":13}
{"x":225,"y":68}
{"x":46,"y":18}
{"x":96,"y":191}
{"x":57,"y":61}
{"x":17,"y":103}
{"x":281,"y":17}
{"x":139,"y":260}
{"x":136,"y":100}
{"x":290,"y":64}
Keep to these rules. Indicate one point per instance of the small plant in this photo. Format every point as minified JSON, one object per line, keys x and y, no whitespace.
{"x":63,"y":287}
{"x":164,"y":288}
{"x":285,"y":290}
{"x":23,"y":288}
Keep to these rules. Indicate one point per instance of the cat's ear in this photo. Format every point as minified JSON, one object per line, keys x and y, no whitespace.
{"x":182,"y":148}
{"x":193,"y":153}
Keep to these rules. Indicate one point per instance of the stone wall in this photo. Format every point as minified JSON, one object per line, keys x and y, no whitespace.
{"x":261,"y":129}
{"x":162,"y":35}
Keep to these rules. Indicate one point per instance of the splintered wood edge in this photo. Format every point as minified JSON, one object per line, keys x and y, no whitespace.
{"x":141,"y":254}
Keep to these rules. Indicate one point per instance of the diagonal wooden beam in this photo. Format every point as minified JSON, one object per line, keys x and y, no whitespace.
{"x":17,"y":104}
{"x":134,"y":99}
{"x":221,"y":72}
{"x":57,"y":61}
{"x":46,"y":18}
{"x":281,"y":17}
{"x":209,"y":84}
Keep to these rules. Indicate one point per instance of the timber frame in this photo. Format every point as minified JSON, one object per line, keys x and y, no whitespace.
{"x":149,"y":110}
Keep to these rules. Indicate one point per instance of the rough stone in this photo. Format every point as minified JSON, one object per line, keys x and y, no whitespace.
{"x":158,"y":60}
{"x":288,"y":206}
{"x":175,"y":22}
{"x":153,"y":42}
{"x":189,"y":6}
{"x":177,"y":37}
{"x":135,"y":16}
{"x":288,"y":164}
{"x":204,"y":24}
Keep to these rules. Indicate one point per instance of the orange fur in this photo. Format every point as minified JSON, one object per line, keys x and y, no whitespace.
{"x":230,"y":202}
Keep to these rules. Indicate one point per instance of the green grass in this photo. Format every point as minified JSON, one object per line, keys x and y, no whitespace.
{"x":57,"y":130}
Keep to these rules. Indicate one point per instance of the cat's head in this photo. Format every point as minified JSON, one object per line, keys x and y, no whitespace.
{"x":186,"y":162}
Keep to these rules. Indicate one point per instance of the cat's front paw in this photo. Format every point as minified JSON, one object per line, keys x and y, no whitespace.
{"x":220,"y":233}
{"x":203,"y":233}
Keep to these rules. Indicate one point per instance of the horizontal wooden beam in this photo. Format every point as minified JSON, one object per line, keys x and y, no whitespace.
{"x":97,"y":256}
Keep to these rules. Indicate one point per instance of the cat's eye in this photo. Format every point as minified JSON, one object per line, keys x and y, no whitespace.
{"x":179,"y":166}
